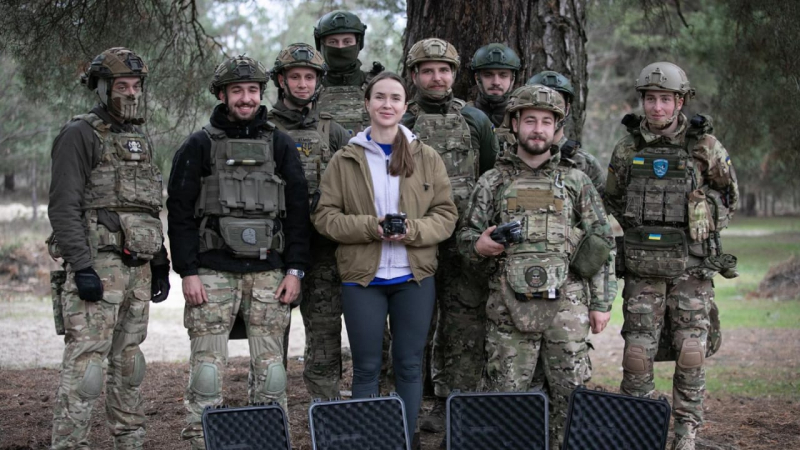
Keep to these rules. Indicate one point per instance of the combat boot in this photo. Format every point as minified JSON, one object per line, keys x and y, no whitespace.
{"x":684,"y":442}
{"x":434,"y":421}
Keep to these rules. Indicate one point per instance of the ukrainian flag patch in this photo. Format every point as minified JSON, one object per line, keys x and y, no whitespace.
{"x":638,"y":161}
{"x":654,"y":237}
{"x":728,"y":160}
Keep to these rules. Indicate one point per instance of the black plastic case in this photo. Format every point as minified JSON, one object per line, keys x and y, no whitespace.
{"x":377,"y":423}
{"x":600,"y":420}
{"x":497,"y":420}
{"x":258,"y":427}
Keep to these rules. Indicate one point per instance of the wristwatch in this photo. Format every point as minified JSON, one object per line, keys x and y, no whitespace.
{"x":296,"y":272}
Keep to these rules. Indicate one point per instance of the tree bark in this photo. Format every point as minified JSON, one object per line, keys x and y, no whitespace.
{"x":546,"y":34}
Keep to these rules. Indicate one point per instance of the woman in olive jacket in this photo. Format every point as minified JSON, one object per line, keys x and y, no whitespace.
{"x":386,"y":170}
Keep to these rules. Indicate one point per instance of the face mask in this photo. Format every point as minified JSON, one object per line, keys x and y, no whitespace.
{"x":125,"y":106}
{"x":340,"y":58}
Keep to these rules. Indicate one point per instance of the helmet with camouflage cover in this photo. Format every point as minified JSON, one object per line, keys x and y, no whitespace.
{"x":432,"y":49}
{"x":298,"y":55}
{"x":117,"y":62}
{"x":664,"y":76}
{"x":240,"y":69}
{"x":337,"y":22}
{"x":535,"y":96}
{"x":555,"y":80}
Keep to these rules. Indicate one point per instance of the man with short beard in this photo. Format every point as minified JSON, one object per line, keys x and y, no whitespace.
{"x":494,"y":68}
{"x":298,"y":73}
{"x":538,"y":295}
{"x":339,"y":35}
{"x":464,"y":138}
{"x":239,"y":231}
{"x":105,"y":196}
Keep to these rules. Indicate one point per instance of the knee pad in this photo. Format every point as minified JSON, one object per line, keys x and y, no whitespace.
{"x":275,"y":382}
{"x":635,"y":360}
{"x":138,"y":366}
{"x":692,"y":355}
{"x":205,"y":380}
{"x":91,"y":385}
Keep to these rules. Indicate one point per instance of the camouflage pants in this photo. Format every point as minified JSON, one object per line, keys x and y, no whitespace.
{"x":458,"y":341}
{"x":685,"y":302}
{"x":111,"y":330}
{"x":513,"y":354}
{"x":251,"y":295}
{"x":321,"y":309}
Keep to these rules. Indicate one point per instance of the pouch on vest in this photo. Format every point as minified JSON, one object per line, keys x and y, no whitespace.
{"x":590,"y":255}
{"x":656,"y":252}
{"x":57,"y":280}
{"x":250,"y":238}
{"x":142,"y":233}
{"x":534,"y":277}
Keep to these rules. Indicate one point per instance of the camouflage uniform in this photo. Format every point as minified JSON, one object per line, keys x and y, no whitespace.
{"x":652,"y":179}
{"x":317,"y":137}
{"x":584,"y":162}
{"x":100,"y":222}
{"x":464,"y":137}
{"x":519,"y":332}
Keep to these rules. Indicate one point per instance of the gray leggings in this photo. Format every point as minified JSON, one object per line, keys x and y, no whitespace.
{"x":410,"y":308}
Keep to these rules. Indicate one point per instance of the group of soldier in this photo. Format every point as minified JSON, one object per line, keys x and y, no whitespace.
{"x":512,"y":314}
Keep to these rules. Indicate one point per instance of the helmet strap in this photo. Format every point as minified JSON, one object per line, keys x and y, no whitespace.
{"x":301,"y":102}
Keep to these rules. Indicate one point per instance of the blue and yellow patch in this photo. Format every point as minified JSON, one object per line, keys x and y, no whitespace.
{"x":654,"y":237}
{"x":639,"y":161}
{"x":728,"y":160}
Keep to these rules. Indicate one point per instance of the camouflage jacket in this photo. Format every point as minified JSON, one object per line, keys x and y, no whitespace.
{"x":587,"y":214}
{"x":712,"y":166}
{"x":586,"y":163}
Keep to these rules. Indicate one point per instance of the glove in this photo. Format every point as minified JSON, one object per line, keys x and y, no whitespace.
{"x":90,"y":287}
{"x":700,"y":220}
{"x":159,"y":285}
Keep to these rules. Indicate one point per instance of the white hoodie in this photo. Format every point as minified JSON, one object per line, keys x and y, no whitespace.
{"x":394,"y":258}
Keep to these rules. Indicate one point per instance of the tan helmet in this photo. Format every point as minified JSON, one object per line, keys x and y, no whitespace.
{"x":535,"y":96}
{"x":664,"y":76}
{"x":299,"y":55}
{"x":113,"y":63}
{"x":238,"y":70}
{"x":432,"y":49}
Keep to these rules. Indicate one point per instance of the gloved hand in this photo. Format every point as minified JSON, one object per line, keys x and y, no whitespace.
{"x":159,"y":286}
{"x":90,"y":287}
{"x":701,"y":222}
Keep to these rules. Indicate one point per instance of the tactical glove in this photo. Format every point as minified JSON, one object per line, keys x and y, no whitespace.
{"x":159,"y":285}
{"x":701,"y":222}
{"x":90,"y":287}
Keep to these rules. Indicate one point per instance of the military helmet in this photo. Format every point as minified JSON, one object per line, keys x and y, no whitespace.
{"x":432,"y":49}
{"x":664,"y":76}
{"x":336,"y":22}
{"x":113,"y":63}
{"x":555,"y":80}
{"x":495,"y":56}
{"x":240,"y":69}
{"x":536,"y":96}
{"x":298,"y":55}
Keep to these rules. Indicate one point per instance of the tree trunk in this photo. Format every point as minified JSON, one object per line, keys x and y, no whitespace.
{"x":547,"y":35}
{"x":34,"y":193}
{"x":9,"y":182}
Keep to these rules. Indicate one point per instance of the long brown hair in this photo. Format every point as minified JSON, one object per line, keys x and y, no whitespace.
{"x":402,"y":163}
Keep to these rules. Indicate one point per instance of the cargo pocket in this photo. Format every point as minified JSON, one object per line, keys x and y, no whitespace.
{"x":640,"y":314}
{"x":268,"y":316}
{"x":214,"y":316}
{"x":135,"y":320}
{"x":691,"y":311}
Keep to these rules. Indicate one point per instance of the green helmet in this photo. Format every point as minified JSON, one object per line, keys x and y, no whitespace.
{"x":240,"y":69}
{"x":495,"y":56}
{"x":336,"y":22}
{"x":113,"y":63}
{"x":664,"y":76}
{"x":299,"y":55}
{"x":555,"y":80}
{"x":432,"y":49}
{"x":535,"y":96}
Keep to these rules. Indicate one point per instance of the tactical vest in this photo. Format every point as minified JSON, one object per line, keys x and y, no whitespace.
{"x":659,"y":180}
{"x":243,"y":194}
{"x":538,"y":267}
{"x":346,"y":104}
{"x":126,"y":182}
{"x":314,"y":148}
{"x":450,"y":136}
